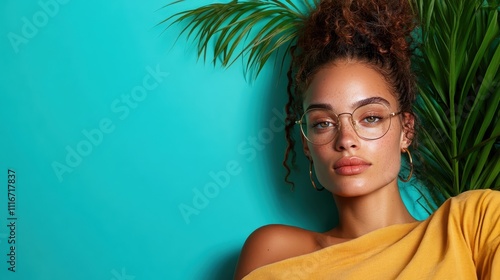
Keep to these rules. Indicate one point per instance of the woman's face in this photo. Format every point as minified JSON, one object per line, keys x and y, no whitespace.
{"x":350,"y":166}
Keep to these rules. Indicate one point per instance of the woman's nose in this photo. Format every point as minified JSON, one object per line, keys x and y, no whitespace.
{"x":346,"y":137}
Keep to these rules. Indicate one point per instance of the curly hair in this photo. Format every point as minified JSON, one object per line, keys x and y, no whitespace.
{"x":374,"y":32}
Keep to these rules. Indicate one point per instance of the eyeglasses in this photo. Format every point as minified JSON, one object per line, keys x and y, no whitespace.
{"x":370,"y":122}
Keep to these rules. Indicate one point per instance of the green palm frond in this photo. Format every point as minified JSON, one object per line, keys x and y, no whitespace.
{"x":254,"y":30}
{"x":459,"y":94}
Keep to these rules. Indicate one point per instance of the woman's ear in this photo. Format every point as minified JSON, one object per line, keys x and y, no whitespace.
{"x":408,"y":133}
{"x":305,"y":147}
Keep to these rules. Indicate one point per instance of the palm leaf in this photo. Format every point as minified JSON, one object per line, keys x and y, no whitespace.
{"x":254,"y":30}
{"x":459,"y":93}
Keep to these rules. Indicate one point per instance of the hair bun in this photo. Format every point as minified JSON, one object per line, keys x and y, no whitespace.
{"x":381,"y":26}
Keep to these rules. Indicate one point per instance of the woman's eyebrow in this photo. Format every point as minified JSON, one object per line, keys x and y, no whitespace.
{"x":319,"y":106}
{"x":371,"y":100}
{"x":356,"y":104}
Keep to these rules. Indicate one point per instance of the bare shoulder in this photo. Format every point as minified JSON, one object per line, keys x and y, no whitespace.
{"x":273,"y":243}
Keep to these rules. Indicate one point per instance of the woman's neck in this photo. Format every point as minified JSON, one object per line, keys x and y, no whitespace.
{"x":363,"y":214}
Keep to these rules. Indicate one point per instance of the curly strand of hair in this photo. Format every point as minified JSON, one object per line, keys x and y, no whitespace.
{"x":289,"y":124}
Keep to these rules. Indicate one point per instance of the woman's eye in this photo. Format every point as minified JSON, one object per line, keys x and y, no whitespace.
{"x":323,"y":124}
{"x":371,"y":119}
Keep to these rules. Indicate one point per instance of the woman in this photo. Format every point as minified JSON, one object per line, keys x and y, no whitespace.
{"x":351,"y":91}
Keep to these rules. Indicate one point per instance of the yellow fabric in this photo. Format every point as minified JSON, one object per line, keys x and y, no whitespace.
{"x":461,"y":240}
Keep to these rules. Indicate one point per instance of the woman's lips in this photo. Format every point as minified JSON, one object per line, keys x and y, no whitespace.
{"x":350,"y":166}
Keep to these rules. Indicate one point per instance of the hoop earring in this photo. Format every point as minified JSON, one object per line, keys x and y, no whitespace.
{"x":411,"y":167}
{"x":311,"y":176}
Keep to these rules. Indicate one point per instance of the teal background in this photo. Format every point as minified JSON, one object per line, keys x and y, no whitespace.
{"x":163,"y":185}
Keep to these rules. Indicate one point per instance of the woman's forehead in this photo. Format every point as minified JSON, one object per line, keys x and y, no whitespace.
{"x":348,"y":85}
